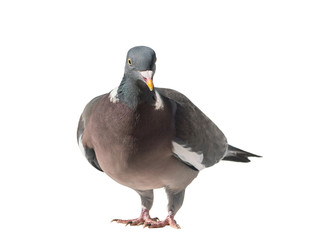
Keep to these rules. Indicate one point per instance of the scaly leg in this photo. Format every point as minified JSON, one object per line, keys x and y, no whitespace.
{"x":175,"y":202}
{"x":144,"y":219}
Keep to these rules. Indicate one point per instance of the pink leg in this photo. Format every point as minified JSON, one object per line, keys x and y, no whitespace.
{"x":175,"y":202}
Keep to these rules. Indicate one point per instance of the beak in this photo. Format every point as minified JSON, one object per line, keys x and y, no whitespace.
{"x":147,"y":78}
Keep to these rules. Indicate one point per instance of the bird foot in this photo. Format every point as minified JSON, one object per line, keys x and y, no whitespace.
{"x":169,"y":221}
{"x":149,"y":222}
{"x":144,"y":219}
{"x":137,"y":221}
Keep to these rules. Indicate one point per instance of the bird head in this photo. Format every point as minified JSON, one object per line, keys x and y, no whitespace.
{"x":140,"y":65}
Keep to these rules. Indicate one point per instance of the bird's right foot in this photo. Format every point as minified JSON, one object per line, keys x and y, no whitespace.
{"x":144,"y":219}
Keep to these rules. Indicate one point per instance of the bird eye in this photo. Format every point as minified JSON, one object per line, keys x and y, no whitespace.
{"x":129,"y":62}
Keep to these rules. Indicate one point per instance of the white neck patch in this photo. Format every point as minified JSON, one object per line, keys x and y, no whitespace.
{"x":113,"y":95}
{"x":159,"y":103}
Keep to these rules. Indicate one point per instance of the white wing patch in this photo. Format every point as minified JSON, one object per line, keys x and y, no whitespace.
{"x":187,"y":155}
{"x":81,"y":145}
{"x":113,"y":95}
{"x":159,"y":103}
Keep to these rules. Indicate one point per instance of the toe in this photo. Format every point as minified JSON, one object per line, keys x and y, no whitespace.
{"x":159,"y":224}
{"x":175,"y":225}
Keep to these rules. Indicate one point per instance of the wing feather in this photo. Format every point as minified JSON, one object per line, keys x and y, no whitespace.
{"x":195,"y":131}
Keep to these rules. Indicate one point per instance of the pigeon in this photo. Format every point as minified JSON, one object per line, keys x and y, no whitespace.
{"x":148,"y":138}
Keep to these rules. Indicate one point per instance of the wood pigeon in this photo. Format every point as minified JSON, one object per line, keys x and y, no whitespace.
{"x":147,"y":138}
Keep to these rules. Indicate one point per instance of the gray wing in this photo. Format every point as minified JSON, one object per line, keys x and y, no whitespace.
{"x":198,"y":141}
{"x":87,"y":151}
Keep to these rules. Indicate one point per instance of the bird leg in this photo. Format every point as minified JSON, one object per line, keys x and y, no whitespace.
{"x":146,"y":202}
{"x":144,"y":219}
{"x":175,"y":202}
{"x":175,"y":198}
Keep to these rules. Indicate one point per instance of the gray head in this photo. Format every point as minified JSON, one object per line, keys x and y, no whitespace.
{"x":140,"y":65}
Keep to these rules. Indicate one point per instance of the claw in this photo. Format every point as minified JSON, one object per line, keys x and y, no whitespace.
{"x":146,"y":225}
{"x":176,"y":226}
{"x":129,"y":223}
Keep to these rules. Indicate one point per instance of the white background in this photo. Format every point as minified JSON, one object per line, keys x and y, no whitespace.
{"x":251,"y":66}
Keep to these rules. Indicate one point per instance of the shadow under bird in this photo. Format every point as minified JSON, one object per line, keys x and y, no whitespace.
{"x":147,"y":138}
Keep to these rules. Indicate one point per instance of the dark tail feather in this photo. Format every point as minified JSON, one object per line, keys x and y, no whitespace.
{"x":238,"y":155}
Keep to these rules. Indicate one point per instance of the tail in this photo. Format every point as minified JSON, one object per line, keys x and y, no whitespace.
{"x":238,"y":155}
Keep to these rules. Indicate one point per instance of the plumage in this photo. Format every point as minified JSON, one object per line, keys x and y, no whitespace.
{"x":193,"y":129}
{"x":147,"y":138}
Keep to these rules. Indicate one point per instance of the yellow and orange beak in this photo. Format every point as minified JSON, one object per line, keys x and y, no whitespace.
{"x":147,"y":77}
{"x":149,"y":84}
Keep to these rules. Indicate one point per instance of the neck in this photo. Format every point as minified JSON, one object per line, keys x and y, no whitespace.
{"x":131,"y":94}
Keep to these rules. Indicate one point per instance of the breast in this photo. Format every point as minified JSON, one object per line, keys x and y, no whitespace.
{"x":131,"y":144}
